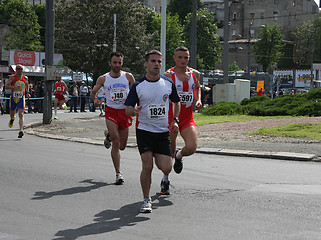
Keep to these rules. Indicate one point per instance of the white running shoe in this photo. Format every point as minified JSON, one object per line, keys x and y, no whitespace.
{"x":119,"y":179}
{"x":147,"y":206}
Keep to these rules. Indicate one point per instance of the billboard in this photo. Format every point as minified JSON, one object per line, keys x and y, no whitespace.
{"x":36,"y":59}
{"x":24,"y":58}
{"x":303,"y":78}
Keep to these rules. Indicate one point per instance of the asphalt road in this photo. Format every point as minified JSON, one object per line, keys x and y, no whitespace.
{"x":53,"y":189}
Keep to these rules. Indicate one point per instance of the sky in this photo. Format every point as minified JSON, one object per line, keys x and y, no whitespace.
{"x":318,"y":2}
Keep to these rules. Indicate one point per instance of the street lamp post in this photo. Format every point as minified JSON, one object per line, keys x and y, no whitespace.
{"x":249,"y":50}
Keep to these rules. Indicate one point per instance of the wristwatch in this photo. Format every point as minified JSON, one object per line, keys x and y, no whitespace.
{"x":176,"y":119}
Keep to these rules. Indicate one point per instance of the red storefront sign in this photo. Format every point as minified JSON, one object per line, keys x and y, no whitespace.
{"x":24,"y":58}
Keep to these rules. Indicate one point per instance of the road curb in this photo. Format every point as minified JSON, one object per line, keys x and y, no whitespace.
{"x":31,"y":129}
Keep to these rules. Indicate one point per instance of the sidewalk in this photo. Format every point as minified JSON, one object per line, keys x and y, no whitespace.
{"x":89,"y":128}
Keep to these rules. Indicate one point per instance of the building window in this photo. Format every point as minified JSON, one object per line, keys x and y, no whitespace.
{"x":275,"y":14}
{"x":251,"y":33}
{"x":262,"y":15}
{"x":251,"y":3}
{"x":234,"y":16}
{"x":233,"y":32}
{"x":276,"y":2}
{"x":294,"y":3}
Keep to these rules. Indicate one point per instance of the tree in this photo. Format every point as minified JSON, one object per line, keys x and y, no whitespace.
{"x":85,"y":30}
{"x":40,"y":11}
{"x":23,"y":23}
{"x":208,"y":42}
{"x":304,"y":39}
{"x":182,"y":7}
{"x":174,"y":32}
{"x":267,"y":51}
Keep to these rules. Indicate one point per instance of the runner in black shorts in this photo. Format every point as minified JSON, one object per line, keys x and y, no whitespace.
{"x":148,"y":100}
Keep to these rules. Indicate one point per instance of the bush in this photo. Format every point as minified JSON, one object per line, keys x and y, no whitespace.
{"x":223,"y":108}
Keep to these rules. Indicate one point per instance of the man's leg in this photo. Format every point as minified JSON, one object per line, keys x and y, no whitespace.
{"x":146,"y":173}
{"x":173,"y":137}
{"x":55,"y":106}
{"x":190,"y":138}
{"x":21,"y":116}
{"x":115,"y":139}
{"x":164,"y":163}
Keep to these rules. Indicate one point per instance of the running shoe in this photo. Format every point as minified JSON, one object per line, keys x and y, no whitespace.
{"x":165,"y":188}
{"x":20,"y":135}
{"x":119,"y":179}
{"x":11,"y":122}
{"x":178,"y":165}
{"x":147,"y":206}
{"x":107,"y":141}
{"x":56,"y":117}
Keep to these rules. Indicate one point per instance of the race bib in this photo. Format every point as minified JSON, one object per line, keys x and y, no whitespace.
{"x":186,"y":97}
{"x":17,"y":94}
{"x":59,"y":88}
{"x":156,"y":111}
{"x":118,"y":95}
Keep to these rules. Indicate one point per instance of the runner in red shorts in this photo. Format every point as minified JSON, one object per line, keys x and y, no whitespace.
{"x":60,"y":90}
{"x":116,"y":84}
{"x":188,"y":87}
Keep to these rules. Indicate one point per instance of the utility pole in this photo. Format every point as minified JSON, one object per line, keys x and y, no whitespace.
{"x":163,"y":36}
{"x":249,"y":49}
{"x":50,"y":74}
{"x":114,"y":40}
{"x":193,"y":35}
{"x":225,"y":43}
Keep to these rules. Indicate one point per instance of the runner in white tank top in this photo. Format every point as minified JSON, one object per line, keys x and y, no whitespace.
{"x":116,"y":85}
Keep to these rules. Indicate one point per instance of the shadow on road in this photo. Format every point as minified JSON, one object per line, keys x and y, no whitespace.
{"x":69,"y":191}
{"x":112,"y":220}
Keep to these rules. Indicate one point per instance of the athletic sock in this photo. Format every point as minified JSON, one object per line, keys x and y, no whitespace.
{"x":55,"y":111}
{"x":179,"y":154}
{"x":165,"y":178}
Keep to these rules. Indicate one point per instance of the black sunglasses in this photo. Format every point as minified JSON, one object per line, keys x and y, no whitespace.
{"x":18,"y":68}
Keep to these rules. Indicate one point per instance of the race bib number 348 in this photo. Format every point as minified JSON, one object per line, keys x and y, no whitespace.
{"x":156,"y":111}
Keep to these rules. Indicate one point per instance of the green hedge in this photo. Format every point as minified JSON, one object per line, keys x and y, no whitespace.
{"x":308,"y":104}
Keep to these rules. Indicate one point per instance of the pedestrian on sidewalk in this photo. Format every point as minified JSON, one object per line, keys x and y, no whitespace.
{"x":187,"y":83}
{"x":60,"y":91}
{"x":18,"y":83}
{"x":83,"y":94}
{"x":149,"y":100}
{"x":74,"y":92}
{"x":115,"y":84}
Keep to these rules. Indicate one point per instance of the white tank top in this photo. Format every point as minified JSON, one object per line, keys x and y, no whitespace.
{"x":116,"y":90}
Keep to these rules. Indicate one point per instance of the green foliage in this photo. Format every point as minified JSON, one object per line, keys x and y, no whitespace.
{"x":233,"y":67}
{"x":223,"y":108}
{"x":23,"y":23}
{"x":208,"y":42}
{"x":267,"y":51}
{"x":40,"y":11}
{"x":174,"y":32}
{"x":304,"y":38}
{"x":308,"y":104}
{"x":85,"y":32}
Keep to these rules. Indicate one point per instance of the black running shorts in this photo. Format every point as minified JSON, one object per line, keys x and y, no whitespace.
{"x":154,"y":142}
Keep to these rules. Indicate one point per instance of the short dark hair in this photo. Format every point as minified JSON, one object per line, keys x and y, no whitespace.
{"x":181,"y":48}
{"x":152,"y":52}
{"x":117,"y":54}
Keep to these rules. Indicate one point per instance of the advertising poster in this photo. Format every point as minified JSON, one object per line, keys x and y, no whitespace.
{"x":303,"y":78}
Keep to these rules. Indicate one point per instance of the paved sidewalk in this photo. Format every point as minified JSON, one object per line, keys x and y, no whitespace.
{"x":89,"y":128}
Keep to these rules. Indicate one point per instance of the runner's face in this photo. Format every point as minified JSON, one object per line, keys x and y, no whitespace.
{"x":116,"y":63}
{"x":154,"y":64}
{"x":181,"y":58}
